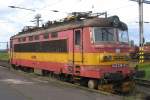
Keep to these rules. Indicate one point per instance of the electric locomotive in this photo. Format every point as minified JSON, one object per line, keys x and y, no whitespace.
{"x":84,"y":48}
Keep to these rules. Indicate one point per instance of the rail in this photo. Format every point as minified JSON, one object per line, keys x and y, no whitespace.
{"x":5,"y":63}
{"x":143,"y":82}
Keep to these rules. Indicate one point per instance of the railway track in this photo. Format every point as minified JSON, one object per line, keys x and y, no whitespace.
{"x":5,"y":63}
{"x":47,"y":80}
{"x":142,"y":82}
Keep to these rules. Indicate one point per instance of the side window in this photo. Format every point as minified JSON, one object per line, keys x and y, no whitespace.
{"x":54,"y":35}
{"x":36,"y":37}
{"x":19,"y":39}
{"x":46,"y":36}
{"x":30,"y":38}
{"x":24,"y":39}
{"x":77,"y":37}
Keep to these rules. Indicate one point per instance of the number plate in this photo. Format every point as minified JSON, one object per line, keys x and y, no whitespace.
{"x":119,"y":65}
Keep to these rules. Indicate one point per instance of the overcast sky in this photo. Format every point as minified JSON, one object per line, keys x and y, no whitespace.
{"x":13,"y":20}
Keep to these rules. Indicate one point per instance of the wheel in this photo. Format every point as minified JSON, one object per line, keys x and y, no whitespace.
{"x":84,"y":82}
{"x":92,"y":84}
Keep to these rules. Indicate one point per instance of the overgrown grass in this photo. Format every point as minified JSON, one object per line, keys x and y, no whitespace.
{"x":146,"y":68}
{"x":4,"y":56}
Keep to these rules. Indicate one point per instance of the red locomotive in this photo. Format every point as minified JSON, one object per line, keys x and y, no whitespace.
{"x":135,"y":52}
{"x":147,"y":51}
{"x":85,"y":48}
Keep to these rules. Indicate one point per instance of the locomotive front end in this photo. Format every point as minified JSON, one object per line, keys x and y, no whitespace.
{"x":111,"y":47}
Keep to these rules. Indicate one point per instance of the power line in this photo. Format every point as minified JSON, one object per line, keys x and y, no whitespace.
{"x":140,"y":2}
{"x":22,"y":8}
{"x":141,"y":31}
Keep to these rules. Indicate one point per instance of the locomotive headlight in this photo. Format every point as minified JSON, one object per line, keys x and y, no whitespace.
{"x":107,"y":58}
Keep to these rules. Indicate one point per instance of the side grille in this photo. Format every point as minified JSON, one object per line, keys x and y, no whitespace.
{"x":120,"y":58}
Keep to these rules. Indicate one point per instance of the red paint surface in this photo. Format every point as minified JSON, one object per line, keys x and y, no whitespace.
{"x":88,"y":47}
{"x":85,"y":71}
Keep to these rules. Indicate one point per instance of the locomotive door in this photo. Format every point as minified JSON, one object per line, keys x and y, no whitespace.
{"x":78,"y":46}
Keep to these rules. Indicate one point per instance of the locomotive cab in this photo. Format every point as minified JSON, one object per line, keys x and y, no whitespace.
{"x":111,"y":44}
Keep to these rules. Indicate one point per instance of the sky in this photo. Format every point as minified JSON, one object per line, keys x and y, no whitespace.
{"x":13,"y":20}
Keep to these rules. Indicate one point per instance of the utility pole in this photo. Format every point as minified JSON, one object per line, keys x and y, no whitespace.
{"x":37,"y":20}
{"x":37,"y":17}
{"x":141,"y":30}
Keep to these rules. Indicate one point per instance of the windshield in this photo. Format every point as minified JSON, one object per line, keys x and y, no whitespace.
{"x":103,"y":34}
{"x":123,"y":36}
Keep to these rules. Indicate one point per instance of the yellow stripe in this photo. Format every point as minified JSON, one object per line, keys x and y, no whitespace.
{"x":53,"y":57}
{"x":89,"y":58}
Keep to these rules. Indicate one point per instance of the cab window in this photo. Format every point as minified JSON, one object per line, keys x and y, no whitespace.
{"x":77,"y":37}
